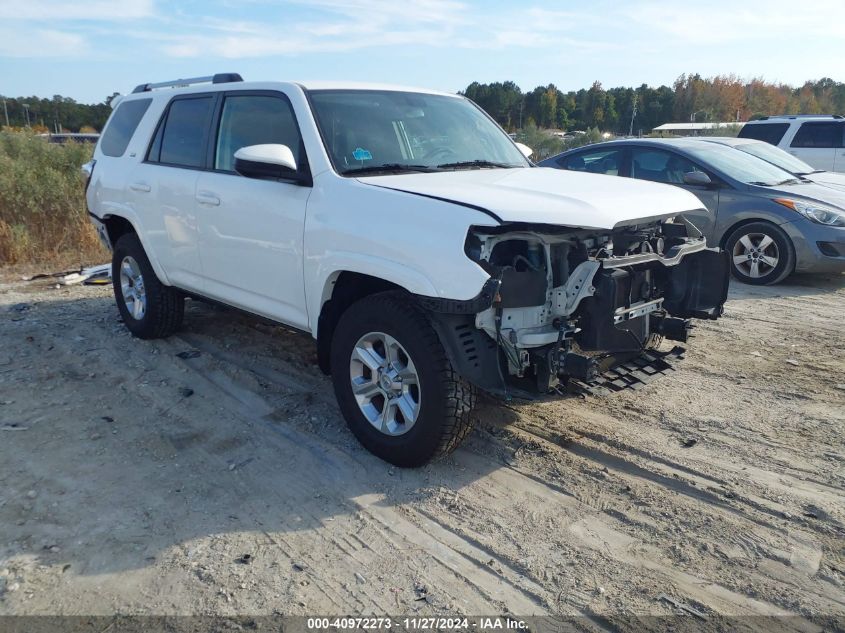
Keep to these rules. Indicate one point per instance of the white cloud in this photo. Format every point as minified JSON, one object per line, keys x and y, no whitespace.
{"x":59,"y":11}
{"x":41,"y":43}
{"x":347,"y":25}
{"x":723,"y":21}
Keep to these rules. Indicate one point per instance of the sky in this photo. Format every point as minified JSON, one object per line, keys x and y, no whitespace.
{"x":88,"y":50}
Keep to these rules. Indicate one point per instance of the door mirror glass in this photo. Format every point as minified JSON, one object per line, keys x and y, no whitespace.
{"x":526,"y":151}
{"x":698,"y":178}
{"x":265,"y":161}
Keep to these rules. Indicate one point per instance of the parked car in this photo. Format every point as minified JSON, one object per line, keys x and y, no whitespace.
{"x":407,"y":233}
{"x":776,"y":156}
{"x":815,"y":139}
{"x":770,"y":222}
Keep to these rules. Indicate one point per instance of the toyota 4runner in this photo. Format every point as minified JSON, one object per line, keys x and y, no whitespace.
{"x":408,"y":234}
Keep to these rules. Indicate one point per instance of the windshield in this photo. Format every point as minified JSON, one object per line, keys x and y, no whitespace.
{"x":381,"y":130}
{"x":777,"y":156}
{"x":740,"y":166}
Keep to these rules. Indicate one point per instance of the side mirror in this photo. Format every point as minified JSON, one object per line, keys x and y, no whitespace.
{"x":265,"y":161}
{"x":697,"y":178}
{"x":526,"y":151}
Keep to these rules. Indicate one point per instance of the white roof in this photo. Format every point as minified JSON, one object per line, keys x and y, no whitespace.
{"x":356,"y":85}
{"x":206,"y":86}
{"x":673,"y":127}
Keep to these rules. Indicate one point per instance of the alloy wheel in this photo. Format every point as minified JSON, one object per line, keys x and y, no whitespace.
{"x":385,"y":383}
{"x":756,"y":255}
{"x":132,"y":288}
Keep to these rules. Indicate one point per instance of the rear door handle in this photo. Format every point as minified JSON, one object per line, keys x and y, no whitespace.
{"x":140,"y":186}
{"x":206,"y":197}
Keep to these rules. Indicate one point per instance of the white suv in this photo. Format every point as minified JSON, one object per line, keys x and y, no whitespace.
{"x":408,"y":234}
{"x":817,"y":139}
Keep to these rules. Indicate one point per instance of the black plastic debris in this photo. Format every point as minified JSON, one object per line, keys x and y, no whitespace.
{"x":632,"y":374}
{"x":185,"y":392}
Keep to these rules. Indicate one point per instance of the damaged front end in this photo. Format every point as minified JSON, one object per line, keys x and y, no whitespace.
{"x":580,"y":307}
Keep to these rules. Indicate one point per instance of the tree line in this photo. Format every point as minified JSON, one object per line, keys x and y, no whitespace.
{"x":56,"y":114}
{"x":623,"y":110}
{"x":617,"y":110}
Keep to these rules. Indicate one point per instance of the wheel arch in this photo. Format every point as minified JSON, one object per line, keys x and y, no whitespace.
{"x":116,"y":226}
{"x":341,"y":290}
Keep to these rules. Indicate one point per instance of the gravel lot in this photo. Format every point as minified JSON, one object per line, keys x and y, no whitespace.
{"x":225,"y":483}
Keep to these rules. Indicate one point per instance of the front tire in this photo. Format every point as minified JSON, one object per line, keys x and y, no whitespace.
{"x":148,"y":307}
{"x":396,"y":388}
{"x":761,"y":254}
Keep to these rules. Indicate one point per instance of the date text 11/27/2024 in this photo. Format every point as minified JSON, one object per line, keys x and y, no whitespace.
{"x":416,"y":623}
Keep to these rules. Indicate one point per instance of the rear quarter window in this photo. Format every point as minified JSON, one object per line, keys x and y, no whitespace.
{"x":768,"y":132}
{"x":822,"y":135}
{"x":122,"y":126}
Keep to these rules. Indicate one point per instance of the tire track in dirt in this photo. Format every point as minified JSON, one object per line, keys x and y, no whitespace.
{"x":570,"y":507}
{"x":722,"y":597}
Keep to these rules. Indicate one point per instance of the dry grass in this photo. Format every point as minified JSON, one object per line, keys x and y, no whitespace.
{"x":43,"y":220}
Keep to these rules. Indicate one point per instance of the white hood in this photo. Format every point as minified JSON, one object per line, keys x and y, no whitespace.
{"x":548,"y":196}
{"x":829,"y":179}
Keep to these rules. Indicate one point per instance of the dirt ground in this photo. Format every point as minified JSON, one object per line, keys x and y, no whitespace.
{"x":135,"y":481}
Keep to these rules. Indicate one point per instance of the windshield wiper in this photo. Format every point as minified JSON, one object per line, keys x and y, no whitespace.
{"x":760,"y":183}
{"x":475,"y":164}
{"x":389,"y":168}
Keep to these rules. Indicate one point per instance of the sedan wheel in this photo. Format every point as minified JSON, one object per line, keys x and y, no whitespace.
{"x":761,"y":253}
{"x":756,"y":254}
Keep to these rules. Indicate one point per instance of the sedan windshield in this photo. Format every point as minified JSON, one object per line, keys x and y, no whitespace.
{"x":382,"y":131}
{"x":776,"y":156}
{"x":740,"y":166}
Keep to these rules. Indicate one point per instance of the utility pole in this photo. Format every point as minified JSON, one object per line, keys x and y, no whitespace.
{"x":26,"y":113}
{"x":6,"y":112}
{"x":633,"y":114}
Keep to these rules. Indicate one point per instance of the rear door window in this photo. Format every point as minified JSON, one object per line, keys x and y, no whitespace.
{"x":604,"y":161}
{"x":122,"y":126}
{"x":182,"y":135}
{"x":254,"y":120}
{"x":768,"y":132}
{"x":823,"y":135}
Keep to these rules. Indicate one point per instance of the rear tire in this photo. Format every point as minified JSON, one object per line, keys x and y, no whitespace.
{"x":761,"y":254}
{"x":409,"y":405}
{"x":148,"y":307}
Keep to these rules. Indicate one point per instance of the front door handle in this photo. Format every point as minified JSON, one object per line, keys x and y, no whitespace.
{"x":206,"y":197}
{"x":140,"y":186}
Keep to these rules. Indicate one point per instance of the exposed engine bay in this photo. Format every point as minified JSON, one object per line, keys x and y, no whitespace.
{"x":570,"y":304}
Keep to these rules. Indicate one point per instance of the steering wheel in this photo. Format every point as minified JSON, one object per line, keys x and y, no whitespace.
{"x":440,"y":153}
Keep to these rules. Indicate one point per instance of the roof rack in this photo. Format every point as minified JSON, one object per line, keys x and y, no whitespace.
{"x":801,"y":116}
{"x":219,"y":78}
